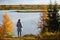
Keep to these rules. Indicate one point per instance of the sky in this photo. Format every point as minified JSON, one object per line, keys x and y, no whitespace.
{"x":29,"y":21}
{"x":27,"y":2}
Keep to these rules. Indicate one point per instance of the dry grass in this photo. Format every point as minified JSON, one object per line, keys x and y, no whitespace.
{"x":21,"y":38}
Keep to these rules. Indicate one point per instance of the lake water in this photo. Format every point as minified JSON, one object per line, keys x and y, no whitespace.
{"x":29,"y":21}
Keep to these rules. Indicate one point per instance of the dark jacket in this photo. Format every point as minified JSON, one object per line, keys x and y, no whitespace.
{"x":19,"y":26}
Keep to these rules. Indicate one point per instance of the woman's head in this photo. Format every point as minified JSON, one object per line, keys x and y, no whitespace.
{"x":18,"y":20}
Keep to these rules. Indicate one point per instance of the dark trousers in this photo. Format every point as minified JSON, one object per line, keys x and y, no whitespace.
{"x":19,"y":33}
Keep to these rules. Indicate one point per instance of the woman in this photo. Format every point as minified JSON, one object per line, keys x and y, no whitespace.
{"x":19,"y":28}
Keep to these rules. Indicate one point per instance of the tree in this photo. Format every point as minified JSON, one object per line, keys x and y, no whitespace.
{"x":43,"y":22}
{"x":50,"y":23}
{"x":7,"y":25}
{"x":53,"y":21}
{"x":1,"y":32}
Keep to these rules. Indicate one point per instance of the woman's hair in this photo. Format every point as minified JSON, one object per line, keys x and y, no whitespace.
{"x":18,"y":20}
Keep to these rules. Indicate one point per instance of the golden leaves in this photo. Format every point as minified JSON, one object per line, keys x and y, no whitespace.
{"x":7,"y":26}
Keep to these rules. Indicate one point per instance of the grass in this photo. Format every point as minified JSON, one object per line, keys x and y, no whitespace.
{"x":35,"y":37}
{"x":25,"y":37}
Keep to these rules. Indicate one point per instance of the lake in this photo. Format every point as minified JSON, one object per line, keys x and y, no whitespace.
{"x":29,"y":21}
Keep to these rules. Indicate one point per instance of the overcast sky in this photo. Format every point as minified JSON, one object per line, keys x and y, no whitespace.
{"x":18,"y":2}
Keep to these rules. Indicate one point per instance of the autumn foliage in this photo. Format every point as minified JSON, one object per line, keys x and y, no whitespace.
{"x":7,"y":26}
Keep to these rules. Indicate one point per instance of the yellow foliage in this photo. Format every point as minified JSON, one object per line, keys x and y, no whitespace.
{"x":1,"y":32}
{"x":7,"y":24}
{"x":44,"y":7}
{"x":50,"y":33}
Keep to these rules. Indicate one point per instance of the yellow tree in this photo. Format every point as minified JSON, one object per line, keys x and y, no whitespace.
{"x":1,"y":32}
{"x":7,"y":25}
{"x":43,"y":23}
{"x":44,"y":18}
